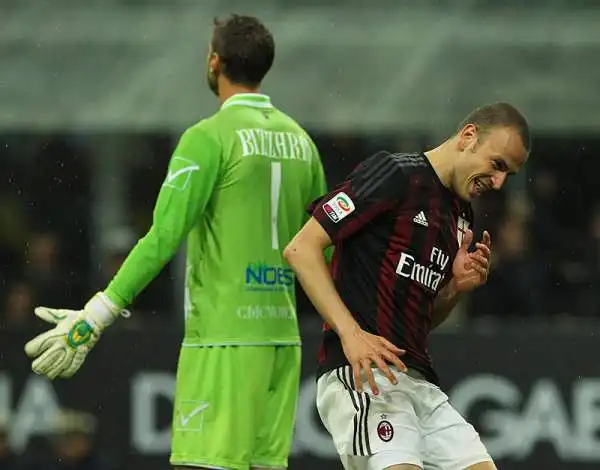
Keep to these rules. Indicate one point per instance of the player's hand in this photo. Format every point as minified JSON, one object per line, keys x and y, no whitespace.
{"x":61,"y":351}
{"x":364,"y":350}
{"x":471,"y":270}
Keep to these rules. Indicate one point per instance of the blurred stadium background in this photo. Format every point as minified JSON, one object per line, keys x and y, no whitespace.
{"x":93,"y":96}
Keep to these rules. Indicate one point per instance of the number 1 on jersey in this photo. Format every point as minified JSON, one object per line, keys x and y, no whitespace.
{"x":275,"y":188}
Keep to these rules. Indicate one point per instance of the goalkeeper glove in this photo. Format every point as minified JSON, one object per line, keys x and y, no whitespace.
{"x":61,"y":351}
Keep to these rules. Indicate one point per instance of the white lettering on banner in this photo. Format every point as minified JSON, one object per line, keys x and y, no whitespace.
{"x":522,"y":421}
{"x":586,"y":410}
{"x":5,"y":398}
{"x":512,"y":424}
{"x":146,"y":389}
{"x":34,"y":413}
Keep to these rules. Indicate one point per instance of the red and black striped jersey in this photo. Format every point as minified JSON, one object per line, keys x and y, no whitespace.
{"x":396,"y":230}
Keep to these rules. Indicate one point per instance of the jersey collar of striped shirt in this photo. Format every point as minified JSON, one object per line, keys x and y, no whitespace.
{"x":256,"y":100}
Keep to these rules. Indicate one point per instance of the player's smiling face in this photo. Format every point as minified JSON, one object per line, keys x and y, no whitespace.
{"x":487,"y":159}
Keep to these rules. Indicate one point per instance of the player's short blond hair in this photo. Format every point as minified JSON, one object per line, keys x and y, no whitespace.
{"x":497,"y":115}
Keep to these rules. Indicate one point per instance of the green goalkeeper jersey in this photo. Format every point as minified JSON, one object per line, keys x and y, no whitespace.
{"x":237,"y":187}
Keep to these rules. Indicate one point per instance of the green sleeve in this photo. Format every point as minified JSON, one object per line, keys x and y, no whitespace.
{"x":319,"y":186}
{"x":320,"y":189}
{"x":186,"y":190}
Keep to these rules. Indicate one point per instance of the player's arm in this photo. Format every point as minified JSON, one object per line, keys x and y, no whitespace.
{"x":339,"y":215}
{"x":305,"y":254}
{"x":319,"y":190}
{"x":447,"y":298}
{"x":334,"y":217}
{"x":186,"y":190}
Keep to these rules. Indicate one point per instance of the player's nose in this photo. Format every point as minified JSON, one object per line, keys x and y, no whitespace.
{"x":498,"y":180}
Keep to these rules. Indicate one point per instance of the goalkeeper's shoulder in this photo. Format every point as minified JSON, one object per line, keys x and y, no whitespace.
{"x":292,"y":123}
{"x":204,"y":130}
{"x":207,"y":124}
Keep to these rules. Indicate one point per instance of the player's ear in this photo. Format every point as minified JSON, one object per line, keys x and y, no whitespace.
{"x":214,"y":63}
{"x":467,"y":136}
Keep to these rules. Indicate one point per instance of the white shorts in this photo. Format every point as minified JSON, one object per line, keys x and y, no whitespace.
{"x":407,"y":423}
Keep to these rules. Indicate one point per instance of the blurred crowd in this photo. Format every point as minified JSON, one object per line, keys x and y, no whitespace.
{"x":44,"y":207}
{"x":546,"y":251}
{"x":48,"y":255}
{"x":545,"y":228}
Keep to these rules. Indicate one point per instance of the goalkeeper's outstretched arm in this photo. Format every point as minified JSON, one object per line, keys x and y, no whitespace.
{"x":193,"y":170}
{"x":186,"y":190}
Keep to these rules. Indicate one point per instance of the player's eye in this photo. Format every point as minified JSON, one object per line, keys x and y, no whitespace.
{"x":500,"y":165}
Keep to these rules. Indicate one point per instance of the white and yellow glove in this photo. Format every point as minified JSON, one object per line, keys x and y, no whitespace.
{"x":61,"y":351}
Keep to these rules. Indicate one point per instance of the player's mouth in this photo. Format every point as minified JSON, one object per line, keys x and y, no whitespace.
{"x":478,"y":187}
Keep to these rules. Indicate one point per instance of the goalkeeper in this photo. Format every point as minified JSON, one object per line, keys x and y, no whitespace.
{"x":236,"y":187}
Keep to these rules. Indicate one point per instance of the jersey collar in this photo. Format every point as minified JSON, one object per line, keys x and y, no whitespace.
{"x":255,"y":100}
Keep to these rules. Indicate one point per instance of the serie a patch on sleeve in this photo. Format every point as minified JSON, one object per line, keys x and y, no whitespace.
{"x":339,"y":206}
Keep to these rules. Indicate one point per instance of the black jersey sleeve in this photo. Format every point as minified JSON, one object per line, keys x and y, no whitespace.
{"x":377,"y":185}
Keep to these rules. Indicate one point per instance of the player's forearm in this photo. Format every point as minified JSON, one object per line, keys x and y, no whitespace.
{"x":444,"y":303}
{"x":310,"y":266}
{"x":143,"y":264}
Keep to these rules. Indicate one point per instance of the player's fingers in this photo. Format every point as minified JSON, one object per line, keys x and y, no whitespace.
{"x":399,"y":364}
{"x":391,"y":347}
{"x":487,"y":240}
{"x":391,"y":356}
{"x":393,"y":359}
{"x":385,"y":369}
{"x":390,"y":352}
{"x":479,"y":260}
{"x":366,"y":366}
{"x":356,"y":376}
{"x":483,"y":249}
{"x":467,"y":240}
{"x":480,"y":269}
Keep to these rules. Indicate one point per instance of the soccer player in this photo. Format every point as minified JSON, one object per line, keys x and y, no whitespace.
{"x":400,"y":224}
{"x":237,"y":187}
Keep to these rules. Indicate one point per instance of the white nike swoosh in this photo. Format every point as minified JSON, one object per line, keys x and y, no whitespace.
{"x":188,"y":169}
{"x":194,"y":412}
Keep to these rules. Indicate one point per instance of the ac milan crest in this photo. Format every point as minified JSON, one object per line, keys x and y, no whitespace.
{"x":385,"y":431}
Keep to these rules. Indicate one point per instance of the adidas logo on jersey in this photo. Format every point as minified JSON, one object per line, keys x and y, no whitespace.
{"x":421,"y":219}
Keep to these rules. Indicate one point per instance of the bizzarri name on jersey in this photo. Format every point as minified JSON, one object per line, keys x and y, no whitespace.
{"x":276,"y":145}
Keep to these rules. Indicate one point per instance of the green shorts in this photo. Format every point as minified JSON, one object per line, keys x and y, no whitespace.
{"x":235,"y":406}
